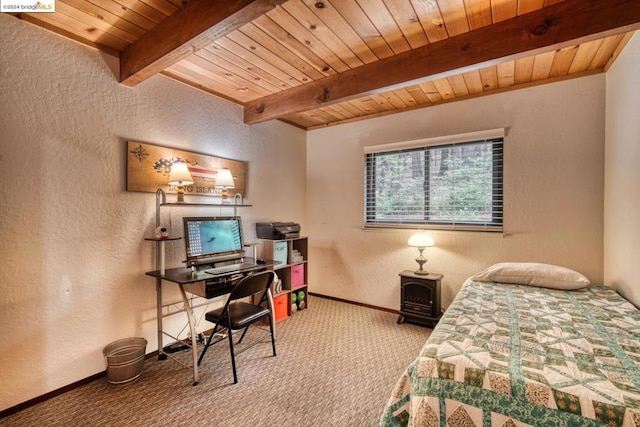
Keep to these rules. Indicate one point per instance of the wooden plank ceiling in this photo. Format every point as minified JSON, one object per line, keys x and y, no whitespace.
{"x":313,"y":63}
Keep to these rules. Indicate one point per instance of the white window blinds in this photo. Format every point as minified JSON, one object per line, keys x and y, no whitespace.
{"x":456,"y":185}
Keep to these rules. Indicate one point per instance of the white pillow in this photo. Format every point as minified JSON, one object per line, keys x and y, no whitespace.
{"x":533,"y":274}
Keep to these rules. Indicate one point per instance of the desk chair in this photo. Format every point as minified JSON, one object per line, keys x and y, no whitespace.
{"x":235,"y":315}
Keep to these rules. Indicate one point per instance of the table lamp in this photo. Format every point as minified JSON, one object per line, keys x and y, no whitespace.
{"x":422,"y":242}
{"x":180,"y":176}
{"x":224,"y":180}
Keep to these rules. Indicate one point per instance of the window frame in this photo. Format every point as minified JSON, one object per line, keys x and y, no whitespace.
{"x":496,"y":224}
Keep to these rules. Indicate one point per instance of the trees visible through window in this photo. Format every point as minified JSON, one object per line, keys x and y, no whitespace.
{"x":451,"y":186}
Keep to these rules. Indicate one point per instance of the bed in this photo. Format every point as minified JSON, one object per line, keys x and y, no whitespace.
{"x":525,"y":353}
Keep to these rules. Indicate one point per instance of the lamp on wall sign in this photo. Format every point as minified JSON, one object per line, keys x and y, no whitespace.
{"x":421,"y":241}
{"x":224,"y":180}
{"x":180,"y":176}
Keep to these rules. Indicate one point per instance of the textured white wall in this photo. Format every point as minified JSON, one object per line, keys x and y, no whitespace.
{"x":554,"y":170}
{"x":622,"y":174}
{"x":72,"y":249}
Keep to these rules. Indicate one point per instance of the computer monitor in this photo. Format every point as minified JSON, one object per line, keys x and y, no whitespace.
{"x":212,"y":239}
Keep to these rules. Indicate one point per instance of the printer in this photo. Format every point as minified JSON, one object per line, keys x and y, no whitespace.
{"x":277,"y":230}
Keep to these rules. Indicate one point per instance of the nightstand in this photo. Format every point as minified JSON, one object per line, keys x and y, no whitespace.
{"x":420,"y":298}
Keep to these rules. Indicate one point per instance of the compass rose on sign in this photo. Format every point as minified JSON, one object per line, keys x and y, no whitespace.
{"x":140,"y":153}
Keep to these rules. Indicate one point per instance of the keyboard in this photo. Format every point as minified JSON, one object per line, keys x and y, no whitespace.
{"x":226,"y":269}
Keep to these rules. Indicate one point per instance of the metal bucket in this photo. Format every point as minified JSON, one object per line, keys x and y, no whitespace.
{"x":124,"y":359}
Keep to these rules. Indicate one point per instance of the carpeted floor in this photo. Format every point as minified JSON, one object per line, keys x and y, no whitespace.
{"x":337,"y":364}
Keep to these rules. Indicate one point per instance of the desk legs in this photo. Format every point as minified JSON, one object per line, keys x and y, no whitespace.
{"x":194,"y":338}
{"x":161,"y":354}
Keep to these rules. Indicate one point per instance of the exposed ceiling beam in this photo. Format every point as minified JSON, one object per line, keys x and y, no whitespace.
{"x":192,"y":27}
{"x":563,"y":24}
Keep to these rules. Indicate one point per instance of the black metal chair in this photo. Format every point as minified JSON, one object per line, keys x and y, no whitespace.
{"x":236,"y":315}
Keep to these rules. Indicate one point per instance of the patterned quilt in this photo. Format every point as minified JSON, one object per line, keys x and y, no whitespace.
{"x":510,"y":355}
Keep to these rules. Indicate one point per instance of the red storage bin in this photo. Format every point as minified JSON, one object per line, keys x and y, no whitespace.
{"x":281,"y":307}
{"x":297,"y":276}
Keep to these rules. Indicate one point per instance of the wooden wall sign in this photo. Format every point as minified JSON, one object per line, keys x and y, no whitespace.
{"x":148,"y":168}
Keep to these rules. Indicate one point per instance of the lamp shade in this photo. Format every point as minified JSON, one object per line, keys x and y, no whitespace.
{"x":224,"y":179}
{"x":180,"y":174}
{"x":420,"y":240}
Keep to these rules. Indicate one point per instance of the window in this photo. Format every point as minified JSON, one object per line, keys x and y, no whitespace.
{"x":455,"y":185}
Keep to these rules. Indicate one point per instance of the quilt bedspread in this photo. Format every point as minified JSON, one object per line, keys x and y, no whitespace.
{"x":511,"y":355}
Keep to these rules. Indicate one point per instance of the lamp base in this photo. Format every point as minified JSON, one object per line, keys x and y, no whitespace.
{"x":180,"y":189}
{"x":421,"y":260}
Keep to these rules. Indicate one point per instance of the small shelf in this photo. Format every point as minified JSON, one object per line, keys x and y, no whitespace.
{"x":162,"y":239}
{"x":218,"y":205}
{"x":288,"y":265}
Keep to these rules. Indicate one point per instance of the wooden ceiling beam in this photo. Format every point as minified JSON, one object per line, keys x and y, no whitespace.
{"x":563,"y":24}
{"x":192,"y":27}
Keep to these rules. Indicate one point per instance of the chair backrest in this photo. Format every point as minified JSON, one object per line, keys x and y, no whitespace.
{"x":251,"y":285}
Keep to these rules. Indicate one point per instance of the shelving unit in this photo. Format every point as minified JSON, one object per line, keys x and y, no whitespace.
{"x":293,"y":272}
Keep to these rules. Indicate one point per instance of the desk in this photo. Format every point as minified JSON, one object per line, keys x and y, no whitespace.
{"x":202,"y":284}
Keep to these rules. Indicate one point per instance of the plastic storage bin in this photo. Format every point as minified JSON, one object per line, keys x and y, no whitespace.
{"x":297,"y":276}
{"x":280,"y":253}
{"x":124,"y":359}
{"x":280,"y":306}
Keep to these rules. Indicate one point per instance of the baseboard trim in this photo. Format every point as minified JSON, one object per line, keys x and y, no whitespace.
{"x":32,"y":402}
{"x":361,"y":304}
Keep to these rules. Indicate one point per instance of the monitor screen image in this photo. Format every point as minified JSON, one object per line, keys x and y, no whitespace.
{"x":213,"y":239}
